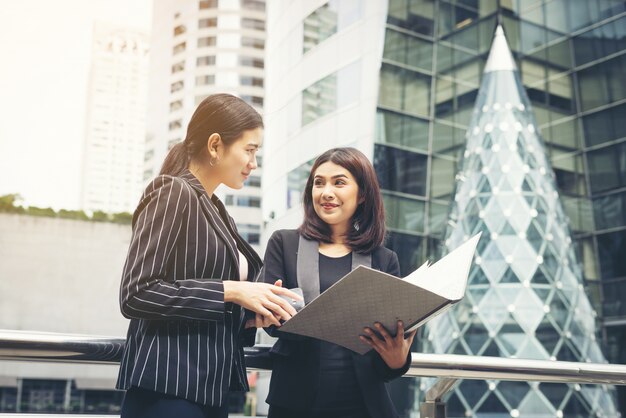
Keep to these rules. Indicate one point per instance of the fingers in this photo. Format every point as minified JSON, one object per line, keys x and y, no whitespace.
{"x":286,"y":292}
{"x":400,"y":332}
{"x":278,"y":283}
{"x":280,"y":307}
{"x":411,"y":337}
{"x":383,"y":331}
{"x":268,"y":315}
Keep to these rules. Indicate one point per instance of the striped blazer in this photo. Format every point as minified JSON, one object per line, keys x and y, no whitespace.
{"x":183,"y":339}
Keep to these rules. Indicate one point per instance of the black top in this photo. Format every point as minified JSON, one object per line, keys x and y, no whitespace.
{"x":296,"y":373}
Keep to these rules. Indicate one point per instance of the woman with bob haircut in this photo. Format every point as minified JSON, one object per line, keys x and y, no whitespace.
{"x":343,"y":227}
{"x":187,"y":283}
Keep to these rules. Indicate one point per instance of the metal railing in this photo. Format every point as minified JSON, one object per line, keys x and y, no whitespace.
{"x":49,"y":347}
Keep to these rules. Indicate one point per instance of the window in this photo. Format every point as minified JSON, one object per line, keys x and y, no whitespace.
{"x":604,"y":126}
{"x":179,"y":30}
{"x":177,"y":86}
{"x":179,"y":48}
{"x":210,"y":22}
{"x":331,"y":93}
{"x":206,"y":41}
{"x":204,"y":61}
{"x":607,"y":167}
{"x":408,"y":247}
{"x":407,"y":131}
{"x":610,"y":211}
{"x":175,"y":124}
{"x":328,"y":20}
{"x":404,"y":214}
{"x":253,"y":100}
{"x":245,"y":201}
{"x":414,"y":16}
{"x":178,"y":104}
{"x":251,"y":62}
{"x":251,"y":81}
{"x":253,"y":42}
{"x":400,"y":170}
{"x":255,"y":24}
{"x":253,"y":181}
{"x":205,"y":80}
{"x":207,"y":4}
{"x":296,"y":180}
{"x":611,"y":250}
{"x":257,"y":5}
{"x":405,"y":90}
{"x":178,"y":67}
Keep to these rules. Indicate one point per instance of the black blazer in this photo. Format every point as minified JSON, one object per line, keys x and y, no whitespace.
{"x":183,"y":339}
{"x":294,"y":373}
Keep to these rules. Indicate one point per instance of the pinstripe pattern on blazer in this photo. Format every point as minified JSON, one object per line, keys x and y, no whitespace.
{"x":183,"y":339}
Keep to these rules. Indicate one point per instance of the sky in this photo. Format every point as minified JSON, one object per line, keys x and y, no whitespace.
{"x":45,"y":48}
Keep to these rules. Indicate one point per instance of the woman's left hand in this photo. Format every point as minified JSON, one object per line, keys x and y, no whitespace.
{"x":393,"y":350}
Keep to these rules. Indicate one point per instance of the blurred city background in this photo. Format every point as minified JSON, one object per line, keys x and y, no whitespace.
{"x":95,"y":92}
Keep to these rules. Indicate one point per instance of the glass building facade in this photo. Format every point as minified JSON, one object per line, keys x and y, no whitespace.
{"x":525,"y":297}
{"x":570,"y":55}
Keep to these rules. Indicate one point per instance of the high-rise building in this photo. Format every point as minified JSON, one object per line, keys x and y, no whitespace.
{"x":399,"y":80}
{"x":200,"y":47}
{"x":115,"y":126}
{"x":525,"y":296}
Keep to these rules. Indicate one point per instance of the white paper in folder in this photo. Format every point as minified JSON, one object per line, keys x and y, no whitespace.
{"x":365,"y":296}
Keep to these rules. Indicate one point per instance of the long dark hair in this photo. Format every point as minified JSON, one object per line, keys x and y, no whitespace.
{"x":369,"y":215}
{"x":221,"y":113}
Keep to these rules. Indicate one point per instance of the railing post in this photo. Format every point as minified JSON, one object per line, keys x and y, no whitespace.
{"x":433,"y":406}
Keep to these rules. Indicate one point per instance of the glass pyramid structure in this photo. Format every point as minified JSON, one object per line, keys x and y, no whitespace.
{"x":525,"y":297}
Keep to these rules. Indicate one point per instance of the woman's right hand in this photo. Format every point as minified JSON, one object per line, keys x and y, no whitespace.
{"x":262,"y":298}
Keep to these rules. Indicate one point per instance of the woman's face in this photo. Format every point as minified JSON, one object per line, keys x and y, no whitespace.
{"x":239,"y":159}
{"x":335,"y":194}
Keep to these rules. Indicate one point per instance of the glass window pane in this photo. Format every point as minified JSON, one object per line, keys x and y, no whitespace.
{"x":605,"y":125}
{"x":404,"y":214}
{"x":603,"y":169}
{"x":408,"y":248}
{"x":400,"y":170}
{"x":414,"y":15}
{"x":443,"y":171}
{"x":611,"y":250}
{"x":447,"y":139}
{"x":610,"y":211}
{"x":394,"y":128}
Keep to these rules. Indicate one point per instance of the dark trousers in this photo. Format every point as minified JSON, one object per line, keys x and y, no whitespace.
{"x":142,"y":403}
{"x":280,"y":412}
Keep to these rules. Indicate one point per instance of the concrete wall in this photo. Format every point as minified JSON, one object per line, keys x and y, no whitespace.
{"x":59,"y":275}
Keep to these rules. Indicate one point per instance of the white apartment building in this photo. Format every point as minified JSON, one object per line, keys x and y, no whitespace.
{"x":200,"y":47}
{"x":115,"y":126}
{"x":323,"y":73}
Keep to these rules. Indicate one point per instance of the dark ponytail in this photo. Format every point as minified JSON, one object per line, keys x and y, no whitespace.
{"x":221,"y":113}
{"x":176,"y":161}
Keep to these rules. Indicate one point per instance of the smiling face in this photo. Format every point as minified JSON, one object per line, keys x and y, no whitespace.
{"x":239,"y":159}
{"x":335,"y":196}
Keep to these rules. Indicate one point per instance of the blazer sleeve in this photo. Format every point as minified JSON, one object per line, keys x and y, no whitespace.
{"x":274,"y":269}
{"x":385,"y":372}
{"x":146,"y":291}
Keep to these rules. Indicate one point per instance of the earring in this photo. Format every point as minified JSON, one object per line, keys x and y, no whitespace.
{"x":213,"y":163}
{"x":356,"y":226}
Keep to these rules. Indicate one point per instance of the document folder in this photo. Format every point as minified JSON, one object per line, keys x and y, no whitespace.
{"x":365,"y":296}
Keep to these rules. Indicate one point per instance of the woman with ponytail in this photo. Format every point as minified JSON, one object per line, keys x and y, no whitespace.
{"x":188,"y":281}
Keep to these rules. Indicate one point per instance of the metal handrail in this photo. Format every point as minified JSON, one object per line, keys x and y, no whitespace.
{"x":51,"y":347}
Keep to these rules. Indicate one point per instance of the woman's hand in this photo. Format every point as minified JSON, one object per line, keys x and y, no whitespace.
{"x":393,"y":350}
{"x":261,"y":321}
{"x":262,"y":298}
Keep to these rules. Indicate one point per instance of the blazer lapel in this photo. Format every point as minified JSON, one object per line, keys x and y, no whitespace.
{"x":214,"y":217}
